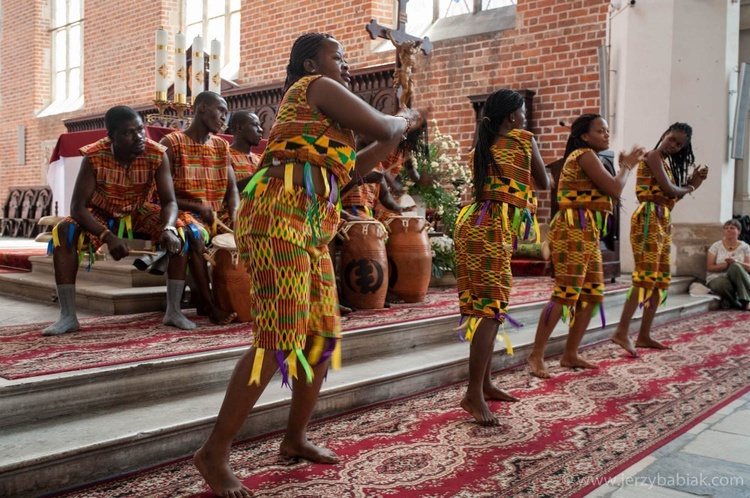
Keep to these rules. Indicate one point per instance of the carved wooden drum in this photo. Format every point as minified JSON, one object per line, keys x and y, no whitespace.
{"x":409,"y":257}
{"x":364,"y":264}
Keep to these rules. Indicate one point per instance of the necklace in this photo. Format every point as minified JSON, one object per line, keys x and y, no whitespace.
{"x":732,"y":248}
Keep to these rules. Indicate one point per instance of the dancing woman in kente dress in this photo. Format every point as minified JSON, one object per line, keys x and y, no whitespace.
{"x":662,"y":181}
{"x":288,"y":214}
{"x":507,"y":168}
{"x":584,"y":194}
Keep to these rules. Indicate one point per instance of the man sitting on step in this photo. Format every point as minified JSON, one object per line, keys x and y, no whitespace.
{"x":110,"y":198}
{"x":206,"y":193}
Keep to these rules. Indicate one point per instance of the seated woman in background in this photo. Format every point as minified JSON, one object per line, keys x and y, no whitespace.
{"x":727,"y":266}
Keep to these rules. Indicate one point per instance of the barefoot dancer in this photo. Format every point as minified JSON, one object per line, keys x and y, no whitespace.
{"x":507,"y":167}
{"x":106,"y":209}
{"x":287,"y":216}
{"x":205,"y":189}
{"x":584,"y":194}
{"x":662,"y":181}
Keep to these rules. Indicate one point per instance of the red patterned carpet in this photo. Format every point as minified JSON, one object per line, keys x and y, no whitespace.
{"x":121,"y":339}
{"x":15,"y":260}
{"x":564,"y":434}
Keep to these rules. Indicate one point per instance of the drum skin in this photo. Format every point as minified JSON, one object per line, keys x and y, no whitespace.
{"x":230,"y":283}
{"x":364,"y":265}
{"x":409,"y":258}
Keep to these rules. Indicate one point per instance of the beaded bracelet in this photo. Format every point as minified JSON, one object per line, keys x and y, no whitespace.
{"x":104,"y":234}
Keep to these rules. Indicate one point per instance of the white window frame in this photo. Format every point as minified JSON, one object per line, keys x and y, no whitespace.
{"x":484,"y":16}
{"x":230,"y":58}
{"x":72,"y":98}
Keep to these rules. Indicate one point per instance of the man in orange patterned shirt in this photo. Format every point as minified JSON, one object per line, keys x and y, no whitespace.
{"x":247,"y":132}
{"x":117,"y":178}
{"x":206,"y":191}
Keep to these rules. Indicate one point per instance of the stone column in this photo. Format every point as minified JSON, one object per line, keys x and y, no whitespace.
{"x":676,"y":60}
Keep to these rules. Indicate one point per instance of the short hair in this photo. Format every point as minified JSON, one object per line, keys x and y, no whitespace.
{"x":206,"y":97}
{"x":117,"y":115}
{"x":239,"y":117}
{"x":735,"y":223}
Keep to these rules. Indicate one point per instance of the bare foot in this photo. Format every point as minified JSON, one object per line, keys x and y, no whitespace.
{"x":221,"y":317}
{"x":538,"y":368}
{"x":492,"y":393}
{"x":576,"y":362}
{"x":480,"y":411}
{"x":626,"y":344}
{"x":308,"y":451}
{"x":650,"y":343}
{"x":747,"y":306}
{"x":219,"y":476}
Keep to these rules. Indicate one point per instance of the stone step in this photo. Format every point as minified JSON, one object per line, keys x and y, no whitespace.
{"x":116,"y":273}
{"x":97,"y":443}
{"x":101,"y":297}
{"x":90,"y":389}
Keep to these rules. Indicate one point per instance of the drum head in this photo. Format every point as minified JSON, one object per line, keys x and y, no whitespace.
{"x":407,"y":201}
{"x":224,"y":241}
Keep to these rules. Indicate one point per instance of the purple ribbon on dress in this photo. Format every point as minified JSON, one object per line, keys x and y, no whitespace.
{"x":484,"y":211}
{"x":283,"y":368}
{"x":582,"y":218}
{"x":601,"y":314}
{"x":548,"y":311}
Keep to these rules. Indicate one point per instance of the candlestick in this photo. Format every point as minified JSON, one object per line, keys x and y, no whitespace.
{"x":214,"y":67}
{"x":161,"y":65}
{"x":180,"y":69}
{"x":199,"y":66}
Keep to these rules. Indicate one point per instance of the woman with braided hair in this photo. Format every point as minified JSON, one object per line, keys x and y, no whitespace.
{"x":662,"y":180}
{"x":584,"y":194}
{"x":507,"y":168}
{"x":288,"y":214}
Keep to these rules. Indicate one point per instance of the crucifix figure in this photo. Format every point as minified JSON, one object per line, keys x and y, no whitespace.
{"x":407,"y":47}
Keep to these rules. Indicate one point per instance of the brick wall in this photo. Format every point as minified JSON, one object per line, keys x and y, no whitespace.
{"x":552,"y":51}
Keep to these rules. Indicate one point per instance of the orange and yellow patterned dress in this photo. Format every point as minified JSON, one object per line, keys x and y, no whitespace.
{"x":651,"y":235}
{"x":485,"y":230}
{"x":283,"y":231}
{"x":574,"y":237}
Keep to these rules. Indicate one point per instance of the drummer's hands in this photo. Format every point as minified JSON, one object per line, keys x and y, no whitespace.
{"x":408,"y":208}
{"x":118,"y":247}
{"x":170,"y":241}
{"x":373,"y":176}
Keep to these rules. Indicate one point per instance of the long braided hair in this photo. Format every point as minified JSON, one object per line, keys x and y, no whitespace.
{"x":305,"y":47}
{"x":580,"y":127}
{"x":682,"y":160}
{"x":498,"y":106}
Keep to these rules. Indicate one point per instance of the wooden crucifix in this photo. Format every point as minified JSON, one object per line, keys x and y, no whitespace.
{"x":407,"y":47}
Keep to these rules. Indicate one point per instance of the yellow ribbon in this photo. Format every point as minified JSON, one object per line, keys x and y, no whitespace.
{"x":257,"y":367}
{"x":288,"y":177}
{"x":291,"y":362}
{"x":316,"y":350}
{"x":326,"y":184}
{"x":55,"y":237}
{"x":508,"y":345}
{"x":336,"y":356}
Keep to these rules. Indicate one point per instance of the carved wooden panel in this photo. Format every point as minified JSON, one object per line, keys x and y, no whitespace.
{"x":374,"y":85}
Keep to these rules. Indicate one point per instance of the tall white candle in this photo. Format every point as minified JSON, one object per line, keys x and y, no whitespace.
{"x":161,"y":65}
{"x":197,"y":77}
{"x":214,"y":67}
{"x":180,"y":69}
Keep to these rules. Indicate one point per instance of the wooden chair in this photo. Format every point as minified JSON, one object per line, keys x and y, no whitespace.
{"x":10,"y":211}
{"x":27,"y":204}
{"x":41,"y":208}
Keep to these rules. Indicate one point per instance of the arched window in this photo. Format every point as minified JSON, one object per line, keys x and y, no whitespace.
{"x":66,"y":60}
{"x":440,"y":19}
